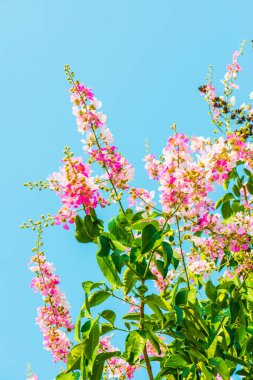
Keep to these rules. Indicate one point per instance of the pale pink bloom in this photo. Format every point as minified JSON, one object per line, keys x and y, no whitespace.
{"x":142,"y":199}
{"x":54,"y":315}
{"x":75,"y":187}
{"x":232,"y":100}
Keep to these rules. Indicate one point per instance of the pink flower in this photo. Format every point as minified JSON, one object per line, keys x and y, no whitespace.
{"x":119,"y":170}
{"x":117,"y":367}
{"x":54,"y":315}
{"x":76,"y":188}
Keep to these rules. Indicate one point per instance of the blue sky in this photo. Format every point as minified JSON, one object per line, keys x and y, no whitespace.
{"x":144,"y":60}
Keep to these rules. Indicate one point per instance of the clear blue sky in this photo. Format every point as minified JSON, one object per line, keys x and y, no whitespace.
{"x":145,"y":60}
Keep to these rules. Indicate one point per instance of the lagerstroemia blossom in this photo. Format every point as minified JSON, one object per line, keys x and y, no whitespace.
{"x":54,"y":315}
{"x":158,"y":253}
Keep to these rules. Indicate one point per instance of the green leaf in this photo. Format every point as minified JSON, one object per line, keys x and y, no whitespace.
{"x":249,"y":345}
{"x":247,"y":172}
{"x":211,"y":291}
{"x":98,"y":297}
{"x":208,"y":375}
{"x":219,"y":203}
{"x":250,"y":188}
{"x":117,"y":245}
{"x":175,"y":361}
{"x":174,"y":290}
{"x":158,"y":301}
{"x":74,"y":358}
{"x":220,"y":365}
{"x":154,"y":340}
{"x":81,"y":234}
{"x":167,"y":256}
{"x":98,"y":366}
{"x":228,"y":197}
{"x":132,"y":316}
{"x":91,"y":343}
{"x":236,"y":191}
{"x":77,"y":335}
{"x":108,"y":269}
{"x":103,"y":246}
{"x":86,"y":328}
{"x":142,"y":289}
{"x":175,"y":260}
{"x":237,"y":207}
{"x":226,"y":184}
{"x":179,"y":313}
{"x":106,"y":327}
{"x":135,"y":343}
{"x":67,"y":376}
{"x":87,"y":285}
{"x":128,"y":214}
{"x":234,"y":310}
{"x":137,"y":216}
{"x":143,"y":223}
{"x":119,"y":260}
{"x":109,"y":315}
{"x":181,"y":297}
{"x":149,"y":236}
{"x":129,"y":280}
{"x":117,"y":227}
{"x":194,"y":314}
{"x":212,"y":348}
{"x":93,"y":226}
{"x":88,"y":229}
{"x":226,"y":210}
{"x":235,"y":360}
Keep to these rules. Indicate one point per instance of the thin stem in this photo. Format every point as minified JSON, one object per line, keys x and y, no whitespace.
{"x":124,"y":300}
{"x":243,"y":281}
{"x":246,"y":198}
{"x":182,"y":252}
{"x":145,"y":353}
{"x":41,"y":272}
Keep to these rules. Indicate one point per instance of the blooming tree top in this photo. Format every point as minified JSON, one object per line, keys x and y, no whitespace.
{"x":179,"y":258}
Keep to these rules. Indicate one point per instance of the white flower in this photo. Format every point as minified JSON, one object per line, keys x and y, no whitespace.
{"x":96,"y":103}
{"x":232,"y":100}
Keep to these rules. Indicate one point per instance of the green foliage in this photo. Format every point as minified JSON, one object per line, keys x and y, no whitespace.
{"x":135,"y":343}
{"x":88,"y":229}
{"x":109,"y":270}
{"x":68,"y":376}
{"x":205,"y":335}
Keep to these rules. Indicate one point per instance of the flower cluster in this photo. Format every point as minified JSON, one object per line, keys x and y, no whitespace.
{"x":142,"y":200}
{"x":98,"y":142}
{"x":85,"y":107}
{"x":54,"y":315}
{"x":118,"y":170}
{"x":162,"y":283}
{"x":118,"y":368}
{"x":232,"y":70}
{"x":188,"y":173}
{"x":76,"y":188}
{"x":74,"y":183}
